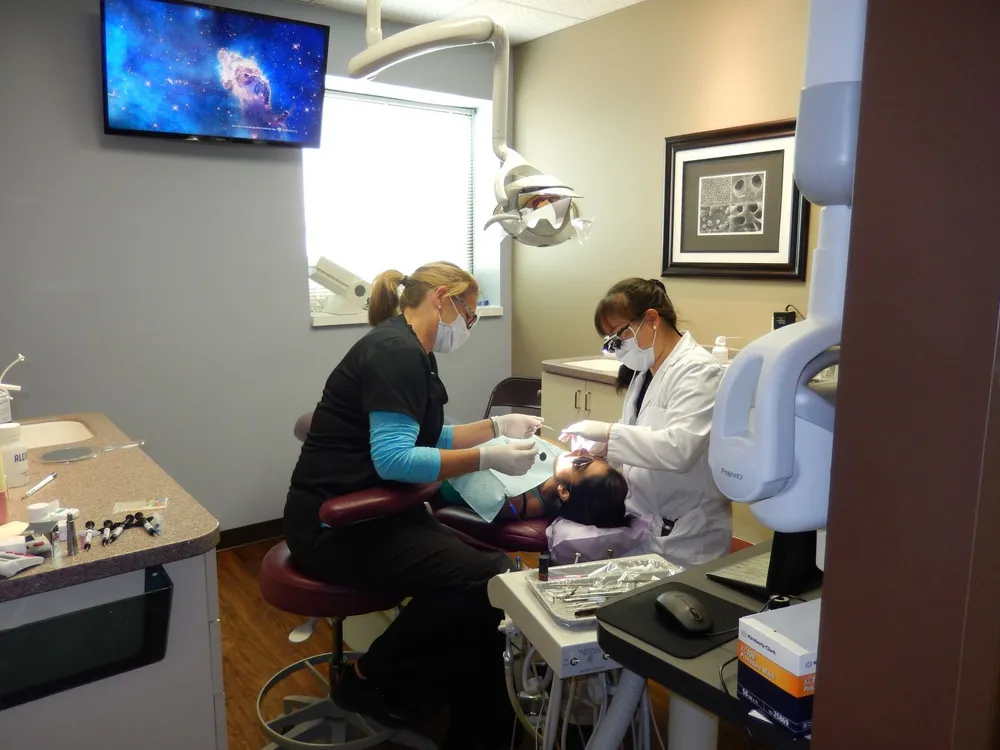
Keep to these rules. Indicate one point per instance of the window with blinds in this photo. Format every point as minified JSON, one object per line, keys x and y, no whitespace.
{"x":391,"y":186}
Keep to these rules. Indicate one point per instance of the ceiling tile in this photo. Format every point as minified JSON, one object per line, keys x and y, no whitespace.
{"x":522,"y":23}
{"x":402,"y":11}
{"x":579,"y":9}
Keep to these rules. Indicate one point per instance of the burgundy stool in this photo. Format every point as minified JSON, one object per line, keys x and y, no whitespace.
{"x":284,"y":587}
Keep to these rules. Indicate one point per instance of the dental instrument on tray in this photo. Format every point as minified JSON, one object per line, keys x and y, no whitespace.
{"x":40,"y":485}
{"x":533,"y":207}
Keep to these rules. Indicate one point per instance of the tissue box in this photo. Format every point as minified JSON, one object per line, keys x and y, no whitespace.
{"x":777,"y":664}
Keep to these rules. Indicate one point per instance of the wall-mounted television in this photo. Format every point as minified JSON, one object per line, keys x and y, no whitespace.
{"x":184,"y":70}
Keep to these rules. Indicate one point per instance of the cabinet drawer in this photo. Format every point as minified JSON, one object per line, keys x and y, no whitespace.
{"x":601,"y":402}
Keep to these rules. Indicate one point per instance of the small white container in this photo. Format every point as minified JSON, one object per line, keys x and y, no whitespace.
{"x":14,"y":454}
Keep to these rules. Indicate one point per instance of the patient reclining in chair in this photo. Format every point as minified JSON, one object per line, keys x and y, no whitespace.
{"x":576,"y":486}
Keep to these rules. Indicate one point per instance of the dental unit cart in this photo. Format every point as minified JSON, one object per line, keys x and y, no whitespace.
{"x":569,"y":649}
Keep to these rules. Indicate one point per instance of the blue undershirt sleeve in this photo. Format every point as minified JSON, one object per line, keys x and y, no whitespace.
{"x":397,"y":458}
{"x":444,"y":441}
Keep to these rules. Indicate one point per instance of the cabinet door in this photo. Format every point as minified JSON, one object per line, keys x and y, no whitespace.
{"x":602,"y":403}
{"x":562,"y":403}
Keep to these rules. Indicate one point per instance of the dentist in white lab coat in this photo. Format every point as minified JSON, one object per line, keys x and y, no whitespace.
{"x":661,"y":440}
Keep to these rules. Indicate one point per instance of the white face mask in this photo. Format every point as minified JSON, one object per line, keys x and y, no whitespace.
{"x":634,"y":358}
{"x":452,"y":335}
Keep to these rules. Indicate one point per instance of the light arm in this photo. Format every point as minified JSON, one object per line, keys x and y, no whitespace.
{"x":439,"y":35}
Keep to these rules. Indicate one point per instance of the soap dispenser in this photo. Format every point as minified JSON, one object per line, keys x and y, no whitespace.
{"x":5,"y":389}
{"x":720,"y":351}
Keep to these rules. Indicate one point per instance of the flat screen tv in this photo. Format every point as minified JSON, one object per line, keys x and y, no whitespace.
{"x":183,"y":70}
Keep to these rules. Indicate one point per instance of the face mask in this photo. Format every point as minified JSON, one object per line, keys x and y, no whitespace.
{"x":634,"y":358}
{"x":452,"y":335}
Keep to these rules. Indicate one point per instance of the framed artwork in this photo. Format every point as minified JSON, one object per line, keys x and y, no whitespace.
{"x":732,"y":209}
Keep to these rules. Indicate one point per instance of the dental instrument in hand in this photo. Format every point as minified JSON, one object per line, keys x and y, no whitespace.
{"x":40,"y":485}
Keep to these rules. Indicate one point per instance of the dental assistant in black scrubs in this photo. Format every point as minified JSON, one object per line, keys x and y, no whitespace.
{"x":381,"y":420}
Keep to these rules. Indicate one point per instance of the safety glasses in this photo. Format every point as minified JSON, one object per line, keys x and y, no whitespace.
{"x":470,"y":316}
{"x":582,"y":462}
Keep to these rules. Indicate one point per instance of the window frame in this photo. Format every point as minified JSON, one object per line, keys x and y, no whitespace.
{"x":486,"y":244}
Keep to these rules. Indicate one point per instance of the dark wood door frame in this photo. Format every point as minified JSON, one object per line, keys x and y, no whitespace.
{"x":910,"y":634}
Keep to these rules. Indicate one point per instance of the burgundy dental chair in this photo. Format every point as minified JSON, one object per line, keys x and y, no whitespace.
{"x":502,"y":536}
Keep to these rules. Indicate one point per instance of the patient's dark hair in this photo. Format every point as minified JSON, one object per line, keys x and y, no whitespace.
{"x":598,"y":501}
{"x":630,"y":299}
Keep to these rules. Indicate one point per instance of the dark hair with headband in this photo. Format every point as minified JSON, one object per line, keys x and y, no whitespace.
{"x":630,"y":299}
{"x":598,"y":501}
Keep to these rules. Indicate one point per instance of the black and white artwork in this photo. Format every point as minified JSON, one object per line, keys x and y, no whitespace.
{"x":731,"y":204}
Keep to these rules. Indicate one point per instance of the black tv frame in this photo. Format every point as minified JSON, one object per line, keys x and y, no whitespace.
{"x":109,"y":130}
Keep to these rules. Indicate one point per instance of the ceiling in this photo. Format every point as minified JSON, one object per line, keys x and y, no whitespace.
{"x":524,"y":19}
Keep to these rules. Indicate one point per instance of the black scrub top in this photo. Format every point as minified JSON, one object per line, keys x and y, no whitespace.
{"x":387,"y":370}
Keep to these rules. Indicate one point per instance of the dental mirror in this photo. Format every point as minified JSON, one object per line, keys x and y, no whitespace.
{"x":82,"y":453}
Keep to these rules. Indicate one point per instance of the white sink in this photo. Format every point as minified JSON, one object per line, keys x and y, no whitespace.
{"x":45,"y":434}
{"x":604,"y":364}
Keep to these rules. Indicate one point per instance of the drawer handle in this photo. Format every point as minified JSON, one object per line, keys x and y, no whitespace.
{"x":576,"y":399}
{"x":586,"y":402}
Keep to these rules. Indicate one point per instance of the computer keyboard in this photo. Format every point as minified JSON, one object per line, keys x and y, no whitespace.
{"x":749,"y":575}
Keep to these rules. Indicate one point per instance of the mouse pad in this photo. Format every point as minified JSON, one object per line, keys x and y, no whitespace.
{"x":638,"y":617}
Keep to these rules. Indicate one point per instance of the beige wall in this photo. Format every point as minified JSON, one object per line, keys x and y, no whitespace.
{"x":593,"y":104}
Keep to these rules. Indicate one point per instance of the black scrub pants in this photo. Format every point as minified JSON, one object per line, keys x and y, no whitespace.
{"x":445,"y":645}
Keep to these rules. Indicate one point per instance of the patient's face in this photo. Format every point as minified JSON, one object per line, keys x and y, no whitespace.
{"x":571,"y":467}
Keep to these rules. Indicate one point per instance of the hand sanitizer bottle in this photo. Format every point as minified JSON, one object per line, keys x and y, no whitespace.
{"x":720,"y":351}
{"x":13,"y":455}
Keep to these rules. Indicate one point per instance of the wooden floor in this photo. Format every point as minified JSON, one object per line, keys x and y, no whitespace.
{"x":255,"y":645}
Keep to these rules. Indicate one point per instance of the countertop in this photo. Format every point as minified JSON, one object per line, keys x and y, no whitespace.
{"x":570,"y":368}
{"x":94,"y":486}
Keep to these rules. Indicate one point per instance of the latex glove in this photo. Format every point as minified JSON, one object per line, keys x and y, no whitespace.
{"x":517,"y":425}
{"x":513,"y":459}
{"x":577,"y":443}
{"x":588,"y":429}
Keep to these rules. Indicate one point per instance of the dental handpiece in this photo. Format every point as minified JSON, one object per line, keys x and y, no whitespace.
{"x":106,"y":533}
{"x":89,"y":535}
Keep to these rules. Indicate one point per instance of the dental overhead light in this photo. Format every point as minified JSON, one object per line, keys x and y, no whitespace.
{"x":533,"y":207}
{"x":772,"y":431}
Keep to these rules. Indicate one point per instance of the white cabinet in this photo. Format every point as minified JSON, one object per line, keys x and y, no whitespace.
{"x":566,"y":400}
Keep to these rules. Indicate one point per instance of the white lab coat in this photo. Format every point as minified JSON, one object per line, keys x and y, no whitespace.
{"x":663,"y":453}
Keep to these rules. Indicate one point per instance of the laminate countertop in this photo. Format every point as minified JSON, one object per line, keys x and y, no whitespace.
{"x":595,"y":369}
{"x":94,"y":486}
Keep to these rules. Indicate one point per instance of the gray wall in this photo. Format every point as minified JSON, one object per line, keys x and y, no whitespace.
{"x":164,"y":283}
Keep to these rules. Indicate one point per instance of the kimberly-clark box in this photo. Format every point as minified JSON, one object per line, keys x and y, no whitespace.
{"x":777,"y":668}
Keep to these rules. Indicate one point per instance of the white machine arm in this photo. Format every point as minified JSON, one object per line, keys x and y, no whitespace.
{"x":753,"y":447}
{"x":439,"y":35}
{"x":533,"y":207}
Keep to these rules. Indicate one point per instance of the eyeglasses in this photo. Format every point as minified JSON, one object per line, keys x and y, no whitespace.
{"x":470,"y":317}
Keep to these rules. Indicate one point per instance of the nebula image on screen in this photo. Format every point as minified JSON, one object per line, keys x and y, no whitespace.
{"x":174,"y":68}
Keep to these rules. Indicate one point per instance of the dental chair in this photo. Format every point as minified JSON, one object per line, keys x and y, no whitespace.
{"x":498,"y":536}
{"x":308,"y":719}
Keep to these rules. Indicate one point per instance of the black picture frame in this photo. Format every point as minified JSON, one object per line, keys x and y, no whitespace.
{"x":724,"y":231}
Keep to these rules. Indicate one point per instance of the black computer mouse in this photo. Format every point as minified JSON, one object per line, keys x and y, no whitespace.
{"x":683,"y":611}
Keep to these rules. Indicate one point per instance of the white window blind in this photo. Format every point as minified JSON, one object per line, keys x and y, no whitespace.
{"x":391,"y":186}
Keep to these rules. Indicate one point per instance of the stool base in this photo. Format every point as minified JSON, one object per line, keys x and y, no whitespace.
{"x":313,"y":723}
